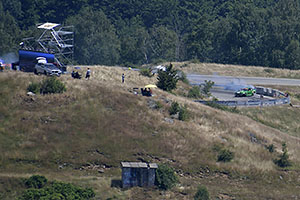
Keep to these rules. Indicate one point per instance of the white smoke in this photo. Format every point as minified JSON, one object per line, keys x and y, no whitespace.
{"x":9,"y":58}
{"x":237,"y":84}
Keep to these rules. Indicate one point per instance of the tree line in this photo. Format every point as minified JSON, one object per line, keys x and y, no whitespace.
{"x":135,"y":32}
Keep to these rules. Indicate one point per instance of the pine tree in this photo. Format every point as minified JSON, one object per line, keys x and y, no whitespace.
{"x":283,"y":160}
{"x":168,"y":79}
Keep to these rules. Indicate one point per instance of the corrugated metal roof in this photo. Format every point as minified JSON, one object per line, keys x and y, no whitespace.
{"x":138,"y":165}
{"x":153,"y":165}
{"x":125,"y":164}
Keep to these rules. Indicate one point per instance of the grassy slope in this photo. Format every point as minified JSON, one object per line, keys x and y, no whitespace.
{"x":237,"y":70}
{"x":98,"y":123}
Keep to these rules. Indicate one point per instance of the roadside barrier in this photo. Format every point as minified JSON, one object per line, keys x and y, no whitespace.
{"x":251,"y":103}
{"x":280,"y":100}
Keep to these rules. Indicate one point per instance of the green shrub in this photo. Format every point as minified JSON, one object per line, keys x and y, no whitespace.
{"x":165,"y":177}
{"x":52,"y":85}
{"x":31,"y":193}
{"x":297,"y":96}
{"x":34,"y":87}
{"x":207,"y":86}
{"x":183,"y":114}
{"x":158,"y":105}
{"x":201,"y":194}
{"x":194,"y":92}
{"x":195,"y":60}
{"x":36,"y":181}
{"x":268,"y":70}
{"x":168,"y":79}
{"x":58,"y":190}
{"x":146,"y":72}
{"x":271,"y":148}
{"x":183,"y":77}
{"x":225,"y":155}
{"x":174,"y":109}
{"x":283,"y":160}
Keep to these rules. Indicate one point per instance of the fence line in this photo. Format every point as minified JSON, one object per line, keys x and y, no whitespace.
{"x":251,"y":103}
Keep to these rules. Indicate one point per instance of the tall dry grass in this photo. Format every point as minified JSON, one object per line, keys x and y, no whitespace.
{"x":100,"y":121}
{"x":236,"y":70}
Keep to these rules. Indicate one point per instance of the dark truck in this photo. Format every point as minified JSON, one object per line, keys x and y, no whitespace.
{"x":28,"y":60}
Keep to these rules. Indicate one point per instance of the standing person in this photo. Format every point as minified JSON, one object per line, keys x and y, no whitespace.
{"x":123,"y":78}
{"x":88,"y":74}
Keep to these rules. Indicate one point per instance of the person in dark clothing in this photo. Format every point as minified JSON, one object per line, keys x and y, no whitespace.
{"x":88,"y":74}
{"x":123,"y":78}
{"x":76,"y":75}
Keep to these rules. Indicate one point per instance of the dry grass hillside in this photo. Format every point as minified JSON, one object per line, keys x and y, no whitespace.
{"x":236,"y":70}
{"x":82,"y":135}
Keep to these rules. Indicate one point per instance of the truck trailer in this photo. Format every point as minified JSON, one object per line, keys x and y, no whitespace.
{"x":28,"y":59}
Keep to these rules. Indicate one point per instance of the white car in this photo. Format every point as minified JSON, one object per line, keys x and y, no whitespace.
{"x":47,"y":69}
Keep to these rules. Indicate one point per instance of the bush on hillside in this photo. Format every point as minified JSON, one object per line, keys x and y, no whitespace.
{"x":36,"y":181}
{"x":297,"y":96}
{"x":271,"y":148}
{"x":48,"y":86}
{"x":165,"y":177}
{"x":194,"y":92}
{"x":283,"y":160}
{"x":183,"y":114}
{"x":174,"y":109}
{"x":52,"y":85}
{"x":34,"y":87}
{"x":146,"y":72}
{"x":183,"y":78}
{"x":158,"y":105}
{"x":201,"y":194}
{"x":207,"y":86}
{"x":58,"y":190}
{"x":225,"y":155}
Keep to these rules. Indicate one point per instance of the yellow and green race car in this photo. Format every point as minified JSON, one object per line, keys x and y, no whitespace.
{"x":245,"y":92}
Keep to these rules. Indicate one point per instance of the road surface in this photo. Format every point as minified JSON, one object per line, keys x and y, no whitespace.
{"x":225,"y":86}
{"x":230,"y":80}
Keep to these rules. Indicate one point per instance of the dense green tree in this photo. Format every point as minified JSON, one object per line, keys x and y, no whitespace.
{"x":167,"y":79}
{"x":165,"y":177}
{"x":292,"y":55}
{"x":199,"y":43}
{"x":162,"y":44}
{"x":133,"y":40}
{"x":13,"y":7}
{"x":134,"y":32}
{"x":95,"y":38}
{"x":283,"y":26}
{"x":9,"y":32}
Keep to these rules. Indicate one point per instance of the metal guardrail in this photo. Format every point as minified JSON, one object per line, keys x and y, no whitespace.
{"x":251,"y":103}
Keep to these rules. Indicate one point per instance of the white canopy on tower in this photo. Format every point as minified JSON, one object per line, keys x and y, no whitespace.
{"x":48,"y":26}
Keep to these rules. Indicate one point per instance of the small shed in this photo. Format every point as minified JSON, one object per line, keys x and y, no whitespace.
{"x":138,"y":174}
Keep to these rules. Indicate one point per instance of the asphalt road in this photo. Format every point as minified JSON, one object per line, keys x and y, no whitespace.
{"x":225,"y":86}
{"x":228,"y":95}
{"x":230,"y":80}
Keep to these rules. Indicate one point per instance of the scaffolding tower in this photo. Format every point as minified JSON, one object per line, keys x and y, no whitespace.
{"x":57,"y":40}
{"x":54,"y":39}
